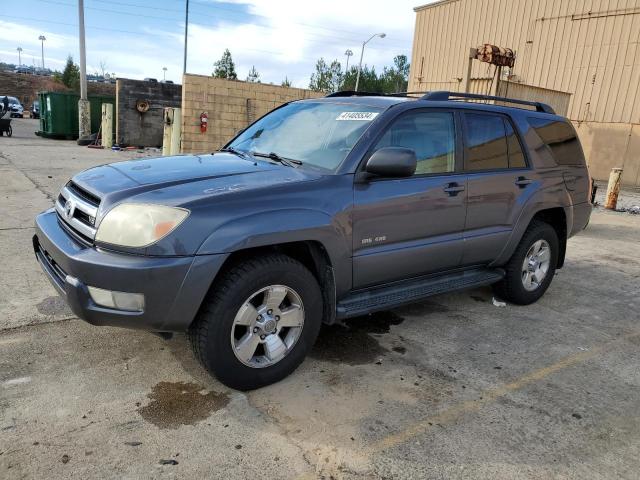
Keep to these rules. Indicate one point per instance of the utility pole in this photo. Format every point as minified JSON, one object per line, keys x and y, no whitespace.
{"x":381,"y":35}
{"x":84,"y":113}
{"x":42,"y":38}
{"x":186,"y":35}
{"x":19,"y":49}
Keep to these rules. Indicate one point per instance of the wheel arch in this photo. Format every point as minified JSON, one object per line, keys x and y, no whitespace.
{"x":310,"y":253}
{"x":558,"y":217}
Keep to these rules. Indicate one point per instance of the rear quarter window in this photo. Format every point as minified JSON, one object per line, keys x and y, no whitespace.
{"x":560,"y":138}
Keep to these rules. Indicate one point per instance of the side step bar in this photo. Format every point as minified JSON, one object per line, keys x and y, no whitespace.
{"x":409,"y":291}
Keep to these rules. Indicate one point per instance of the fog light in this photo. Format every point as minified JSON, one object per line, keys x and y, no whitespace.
{"x":132,"y":302}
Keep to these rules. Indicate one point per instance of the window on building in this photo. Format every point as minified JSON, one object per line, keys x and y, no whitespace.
{"x":430,"y":134}
{"x":561,"y":139}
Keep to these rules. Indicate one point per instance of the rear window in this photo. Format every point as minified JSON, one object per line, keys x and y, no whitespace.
{"x":492,"y":143}
{"x":560,"y":138}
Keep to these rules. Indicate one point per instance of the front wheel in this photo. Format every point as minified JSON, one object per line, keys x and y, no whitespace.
{"x":258,"y":322}
{"x":532,"y":266}
{"x":9,"y":131}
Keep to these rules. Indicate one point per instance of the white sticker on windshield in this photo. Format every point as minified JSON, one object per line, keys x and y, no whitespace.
{"x":363,"y":116}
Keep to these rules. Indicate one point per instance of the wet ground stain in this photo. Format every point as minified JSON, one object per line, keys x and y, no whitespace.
{"x":178,"y":403}
{"x":53,"y":306}
{"x":422,"y":308}
{"x":351,"y":343}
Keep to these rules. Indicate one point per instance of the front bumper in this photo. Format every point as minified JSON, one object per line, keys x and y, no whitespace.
{"x":173,"y":287}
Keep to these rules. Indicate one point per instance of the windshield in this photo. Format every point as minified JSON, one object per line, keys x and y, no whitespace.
{"x":319,"y":134}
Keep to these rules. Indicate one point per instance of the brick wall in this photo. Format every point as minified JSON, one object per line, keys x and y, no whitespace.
{"x":25,"y":87}
{"x":135,"y":128}
{"x":230,"y":104}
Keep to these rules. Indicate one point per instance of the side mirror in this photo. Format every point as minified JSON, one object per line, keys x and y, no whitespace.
{"x":392,"y":162}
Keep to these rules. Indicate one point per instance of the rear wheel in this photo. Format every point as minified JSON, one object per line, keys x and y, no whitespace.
{"x":258,"y":322}
{"x":9,"y":131}
{"x":532,"y":266}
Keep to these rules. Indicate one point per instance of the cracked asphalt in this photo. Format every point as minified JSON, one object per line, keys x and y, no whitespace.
{"x":453,"y":387}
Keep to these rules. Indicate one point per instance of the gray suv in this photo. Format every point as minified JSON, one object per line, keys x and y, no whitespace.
{"x":321,"y":210}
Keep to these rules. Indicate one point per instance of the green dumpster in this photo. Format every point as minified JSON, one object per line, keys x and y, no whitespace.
{"x":59,"y":113}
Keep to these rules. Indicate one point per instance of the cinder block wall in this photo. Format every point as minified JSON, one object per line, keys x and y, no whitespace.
{"x":135,"y":128}
{"x":230,"y":104}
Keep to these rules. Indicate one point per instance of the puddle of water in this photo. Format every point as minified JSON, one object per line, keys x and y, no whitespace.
{"x":351,"y":343}
{"x":53,"y":306}
{"x":178,"y":403}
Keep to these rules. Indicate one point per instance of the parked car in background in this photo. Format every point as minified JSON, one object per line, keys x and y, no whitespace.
{"x":323,"y":209}
{"x":35,"y":109}
{"x":15,"y":107}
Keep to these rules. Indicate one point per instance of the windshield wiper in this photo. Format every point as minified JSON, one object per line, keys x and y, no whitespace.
{"x":290,"y":162}
{"x":239,"y":153}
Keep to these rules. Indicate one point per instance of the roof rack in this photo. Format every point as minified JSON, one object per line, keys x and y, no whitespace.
{"x":443,"y":96}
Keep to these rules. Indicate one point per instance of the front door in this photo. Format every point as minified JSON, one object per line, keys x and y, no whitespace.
{"x":412,"y":226}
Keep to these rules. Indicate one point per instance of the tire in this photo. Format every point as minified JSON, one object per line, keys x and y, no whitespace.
{"x":215,"y":335}
{"x":9,"y":131}
{"x":515,"y":288}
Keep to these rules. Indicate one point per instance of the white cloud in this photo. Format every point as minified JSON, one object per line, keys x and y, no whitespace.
{"x":281,"y":38}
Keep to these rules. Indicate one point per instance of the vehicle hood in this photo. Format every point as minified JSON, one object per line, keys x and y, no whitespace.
{"x":183,"y":178}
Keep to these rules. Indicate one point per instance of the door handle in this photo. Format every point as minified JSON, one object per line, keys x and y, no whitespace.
{"x":453,"y":189}
{"x":523,"y":182}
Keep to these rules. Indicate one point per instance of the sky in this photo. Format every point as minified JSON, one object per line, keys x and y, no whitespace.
{"x":137,"y":38}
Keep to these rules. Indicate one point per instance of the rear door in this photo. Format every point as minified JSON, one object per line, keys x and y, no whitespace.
{"x":412,"y":226}
{"x":498,"y":180}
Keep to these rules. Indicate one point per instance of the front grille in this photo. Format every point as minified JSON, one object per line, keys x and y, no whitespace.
{"x":82,"y":193}
{"x":77,"y":210}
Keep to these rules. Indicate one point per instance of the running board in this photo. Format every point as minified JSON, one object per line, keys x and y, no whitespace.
{"x":409,"y":291}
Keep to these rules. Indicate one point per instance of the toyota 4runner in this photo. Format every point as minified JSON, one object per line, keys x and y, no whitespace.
{"x":321,"y":210}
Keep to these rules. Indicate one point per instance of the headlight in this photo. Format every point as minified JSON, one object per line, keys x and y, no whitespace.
{"x":139,"y":224}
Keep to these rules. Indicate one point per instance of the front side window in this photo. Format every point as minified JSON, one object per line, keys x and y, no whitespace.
{"x":320,"y":134}
{"x":430,"y":134}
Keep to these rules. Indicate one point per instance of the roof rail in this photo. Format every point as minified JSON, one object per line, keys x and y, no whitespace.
{"x":351,"y":93}
{"x":442,"y":96}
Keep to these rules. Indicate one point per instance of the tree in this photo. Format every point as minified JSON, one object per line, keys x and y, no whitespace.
{"x":253,"y":76}
{"x":327,"y":78}
{"x":71,"y":74}
{"x":286,"y":82}
{"x":396,"y":78}
{"x":103,"y":67}
{"x":225,"y":68}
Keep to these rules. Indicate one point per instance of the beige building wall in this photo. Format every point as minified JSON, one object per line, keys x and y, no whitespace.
{"x":588,"y":48}
{"x":230,"y":105}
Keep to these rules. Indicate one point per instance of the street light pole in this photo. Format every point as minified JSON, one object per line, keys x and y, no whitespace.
{"x":19,"y":49}
{"x":164,"y":74}
{"x":186,"y":35}
{"x":348,"y":53}
{"x":42,"y":38}
{"x":381,"y":35}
